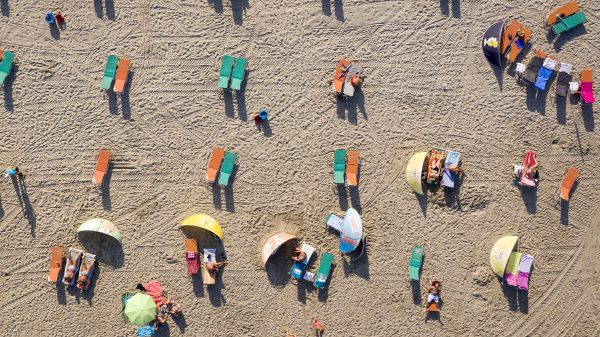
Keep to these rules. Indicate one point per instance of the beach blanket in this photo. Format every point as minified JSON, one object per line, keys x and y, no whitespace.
{"x":524,"y":272}
{"x":154,"y":289}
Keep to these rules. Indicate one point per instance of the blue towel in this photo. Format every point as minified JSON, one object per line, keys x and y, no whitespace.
{"x":542,"y":78}
{"x":145,"y":331}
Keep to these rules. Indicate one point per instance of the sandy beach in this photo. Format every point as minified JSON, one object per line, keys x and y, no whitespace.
{"x":427,"y":84}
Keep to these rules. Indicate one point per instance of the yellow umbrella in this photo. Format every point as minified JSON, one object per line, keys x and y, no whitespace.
{"x":414,"y":171}
{"x":501,"y":252}
{"x":203,"y":221}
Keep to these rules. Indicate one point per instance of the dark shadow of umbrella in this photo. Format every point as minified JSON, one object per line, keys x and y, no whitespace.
{"x":107,"y":249}
{"x":280,"y":263}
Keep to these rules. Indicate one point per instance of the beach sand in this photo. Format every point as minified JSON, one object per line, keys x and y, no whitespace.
{"x":427,"y":85}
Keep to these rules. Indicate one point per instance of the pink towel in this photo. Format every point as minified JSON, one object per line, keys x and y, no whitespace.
{"x":523,"y":280}
{"x":511,"y":279}
{"x":587,"y":92}
{"x":154,"y":289}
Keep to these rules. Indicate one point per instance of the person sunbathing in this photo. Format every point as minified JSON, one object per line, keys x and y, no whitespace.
{"x":70,"y":270}
{"x":174,"y":307}
{"x":84,"y":275}
{"x":298,"y":255}
{"x":454,"y":169}
{"x":214,"y":266}
{"x":434,"y":292}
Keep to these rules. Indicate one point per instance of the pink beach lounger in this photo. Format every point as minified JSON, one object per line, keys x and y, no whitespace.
{"x":512,"y":268}
{"x":524,"y":271}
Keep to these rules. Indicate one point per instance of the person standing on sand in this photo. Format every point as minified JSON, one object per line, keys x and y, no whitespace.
{"x":318,"y":326}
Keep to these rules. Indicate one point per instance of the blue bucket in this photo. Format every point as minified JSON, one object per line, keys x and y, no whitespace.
{"x":263,"y":114}
{"x":49,"y":18}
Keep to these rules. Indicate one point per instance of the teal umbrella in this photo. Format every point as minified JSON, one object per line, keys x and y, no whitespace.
{"x":140,"y":309}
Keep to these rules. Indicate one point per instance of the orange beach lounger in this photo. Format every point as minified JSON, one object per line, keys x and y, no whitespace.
{"x":55,"y":263}
{"x":122,"y":72}
{"x":214,"y":165}
{"x":567,"y":9}
{"x":571,"y":175}
{"x":352,"y":168}
{"x":101,"y":166}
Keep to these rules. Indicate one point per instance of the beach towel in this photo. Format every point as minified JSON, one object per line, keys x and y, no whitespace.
{"x":563,"y":79}
{"x":335,"y":222}
{"x":512,"y":268}
{"x":587,"y":92}
{"x":530,"y":160}
{"x":449,"y":178}
{"x":533,"y":67}
{"x":146,"y":331}
{"x":545,"y":73}
{"x":435,"y":166}
{"x":524,"y":272}
{"x":154,"y":289}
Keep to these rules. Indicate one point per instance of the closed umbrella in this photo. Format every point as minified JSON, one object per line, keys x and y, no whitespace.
{"x":140,"y":309}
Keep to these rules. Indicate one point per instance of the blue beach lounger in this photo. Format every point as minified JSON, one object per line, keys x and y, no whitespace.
{"x":299,"y":267}
{"x":449,"y":178}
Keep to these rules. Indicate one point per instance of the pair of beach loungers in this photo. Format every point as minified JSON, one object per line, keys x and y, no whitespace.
{"x":75,"y":259}
{"x":116,"y":70}
{"x":193,"y":264}
{"x":221,"y":164}
{"x":518,"y":270}
{"x":514,"y":39}
{"x":345,"y":167}
{"x":319,"y":279}
{"x":236,"y":77}
{"x":566,"y":18}
{"x":6,"y":64}
{"x":346,"y":75}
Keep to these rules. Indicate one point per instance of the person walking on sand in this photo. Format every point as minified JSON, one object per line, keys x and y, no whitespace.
{"x":10,"y":172}
{"x":318,"y":326}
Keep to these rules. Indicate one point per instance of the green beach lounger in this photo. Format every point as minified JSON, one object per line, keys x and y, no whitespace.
{"x":339,"y":166}
{"x":227,"y":168}
{"x":109,"y":72}
{"x":569,"y":22}
{"x":225,"y":72}
{"x":323,"y":271}
{"x":239,"y":72}
{"x":6,"y":65}
{"x":414,"y":265}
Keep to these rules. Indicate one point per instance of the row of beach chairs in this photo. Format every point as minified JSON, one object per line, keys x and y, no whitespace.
{"x":235,"y":77}
{"x":74,"y":257}
{"x":345,"y":167}
{"x":116,"y":70}
{"x":540,"y":68}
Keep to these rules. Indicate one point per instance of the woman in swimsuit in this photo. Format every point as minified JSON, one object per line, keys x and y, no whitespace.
{"x":84,"y":280}
{"x":298,"y":255}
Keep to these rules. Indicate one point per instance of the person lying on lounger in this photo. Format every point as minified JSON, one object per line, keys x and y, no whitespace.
{"x":454,"y":169}
{"x":214,"y":266}
{"x":434,"y":292}
{"x":298,"y":255}
{"x":70,"y":271}
{"x":84,"y":275}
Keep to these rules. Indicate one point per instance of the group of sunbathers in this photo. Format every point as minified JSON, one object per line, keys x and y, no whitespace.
{"x":437,"y":169}
{"x":166,"y":309}
{"x":78,"y":261}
